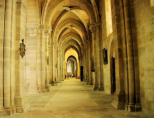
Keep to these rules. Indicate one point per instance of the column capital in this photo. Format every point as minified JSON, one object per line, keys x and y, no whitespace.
{"x":45,"y":29}
{"x":94,"y":26}
{"x":20,"y":3}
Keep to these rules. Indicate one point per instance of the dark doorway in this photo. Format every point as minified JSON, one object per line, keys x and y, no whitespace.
{"x":81,"y":73}
{"x":113,"y":76}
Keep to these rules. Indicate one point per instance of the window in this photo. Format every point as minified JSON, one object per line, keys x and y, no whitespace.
{"x":152,"y":3}
{"x":108,"y":17}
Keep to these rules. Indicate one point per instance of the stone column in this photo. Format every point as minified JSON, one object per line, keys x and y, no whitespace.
{"x":95,"y":35}
{"x":97,"y":58}
{"x":117,"y":19}
{"x":61,"y":66}
{"x":93,"y":61}
{"x":20,"y":60}
{"x":51,"y":59}
{"x":58,"y":68}
{"x":7,"y":56}
{"x":39,"y":74}
{"x":49,"y":75}
{"x":85,"y":64}
{"x":13,"y":51}
{"x":2,"y":10}
{"x":65,"y":69}
{"x":43,"y":57}
{"x":54,"y":62}
{"x":45,"y":32}
{"x":101,"y":60}
{"x":89,"y":62}
{"x":90,"y":58}
{"x":130,"y":39}
{"x":47,"y":60}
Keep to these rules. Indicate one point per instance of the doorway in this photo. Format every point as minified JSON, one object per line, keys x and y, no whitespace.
{"x":113,"y":76}
{"x":81,"y":73}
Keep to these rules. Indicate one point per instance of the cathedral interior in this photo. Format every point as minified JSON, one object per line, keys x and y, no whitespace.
{"x":77,"y":58}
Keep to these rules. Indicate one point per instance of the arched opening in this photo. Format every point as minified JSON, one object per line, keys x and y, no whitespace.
{"x":71,"y":64}
{"x":113,"y":75}
{"x":112,"y":61}
{"x":71,"y":67}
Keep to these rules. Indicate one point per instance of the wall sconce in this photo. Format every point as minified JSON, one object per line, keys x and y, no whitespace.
{"x":22,"y":49}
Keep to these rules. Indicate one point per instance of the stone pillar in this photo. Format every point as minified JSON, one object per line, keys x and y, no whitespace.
{"x":58,"y":68}
{"x":45,"y":32}
{"x":7,"y":56}
{"x":87,"y":64}
{"x":65,"y":69}
{"x":130,"y":39}
{"x":20,"y":60}
{"x":54,"y":62}
{"x":61,"y":67}
{"x":19,"y":85}
{"x":2,"y":10}
{"x":43,"y":57}
{"x":97,"y":58}
{"x":39,"y":74}
{"x":117,"y":19}
{"x":92,"y":61}
{"x":49,"y":61}
{"x":89,"y":61}
{"x":13,"y":51}
{"x":95,"y":37}
{"x":101,"y":60}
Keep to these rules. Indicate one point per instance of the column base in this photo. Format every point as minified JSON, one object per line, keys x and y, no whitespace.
{"x":101,"y":89}
{"x":3,"y":112}
{"x":134,"y":107}
{"x":19,"y":109}
{"x":19,"y":105}
{"x":96,"y":88}
{"x":9,"y":111}
{"x":47,"y":89}
{"x":43,"y":90}
{"x":89,"y":83}
{"x":131,"y":108}
{"x":1,"y":109}
{"x":138,"y":107}
{"x":119,"y":101}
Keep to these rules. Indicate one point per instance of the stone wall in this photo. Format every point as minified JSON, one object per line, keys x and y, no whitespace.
{"x":144,"y":15}
{"x":144,"y":19}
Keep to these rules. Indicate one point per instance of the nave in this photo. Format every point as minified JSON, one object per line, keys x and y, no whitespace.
{"x":74,"y":99}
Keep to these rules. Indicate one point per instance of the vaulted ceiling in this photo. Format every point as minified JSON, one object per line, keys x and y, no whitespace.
{"x":69,"y":21}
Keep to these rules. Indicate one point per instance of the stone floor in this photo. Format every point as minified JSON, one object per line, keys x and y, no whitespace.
{"x":73,"y":99}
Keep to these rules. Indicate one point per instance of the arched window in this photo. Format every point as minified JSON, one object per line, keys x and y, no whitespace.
{"x":108,"y":17}
{"x":152,"y":3}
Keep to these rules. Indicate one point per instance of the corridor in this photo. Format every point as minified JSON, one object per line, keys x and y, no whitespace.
{"x":74,"y":99}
